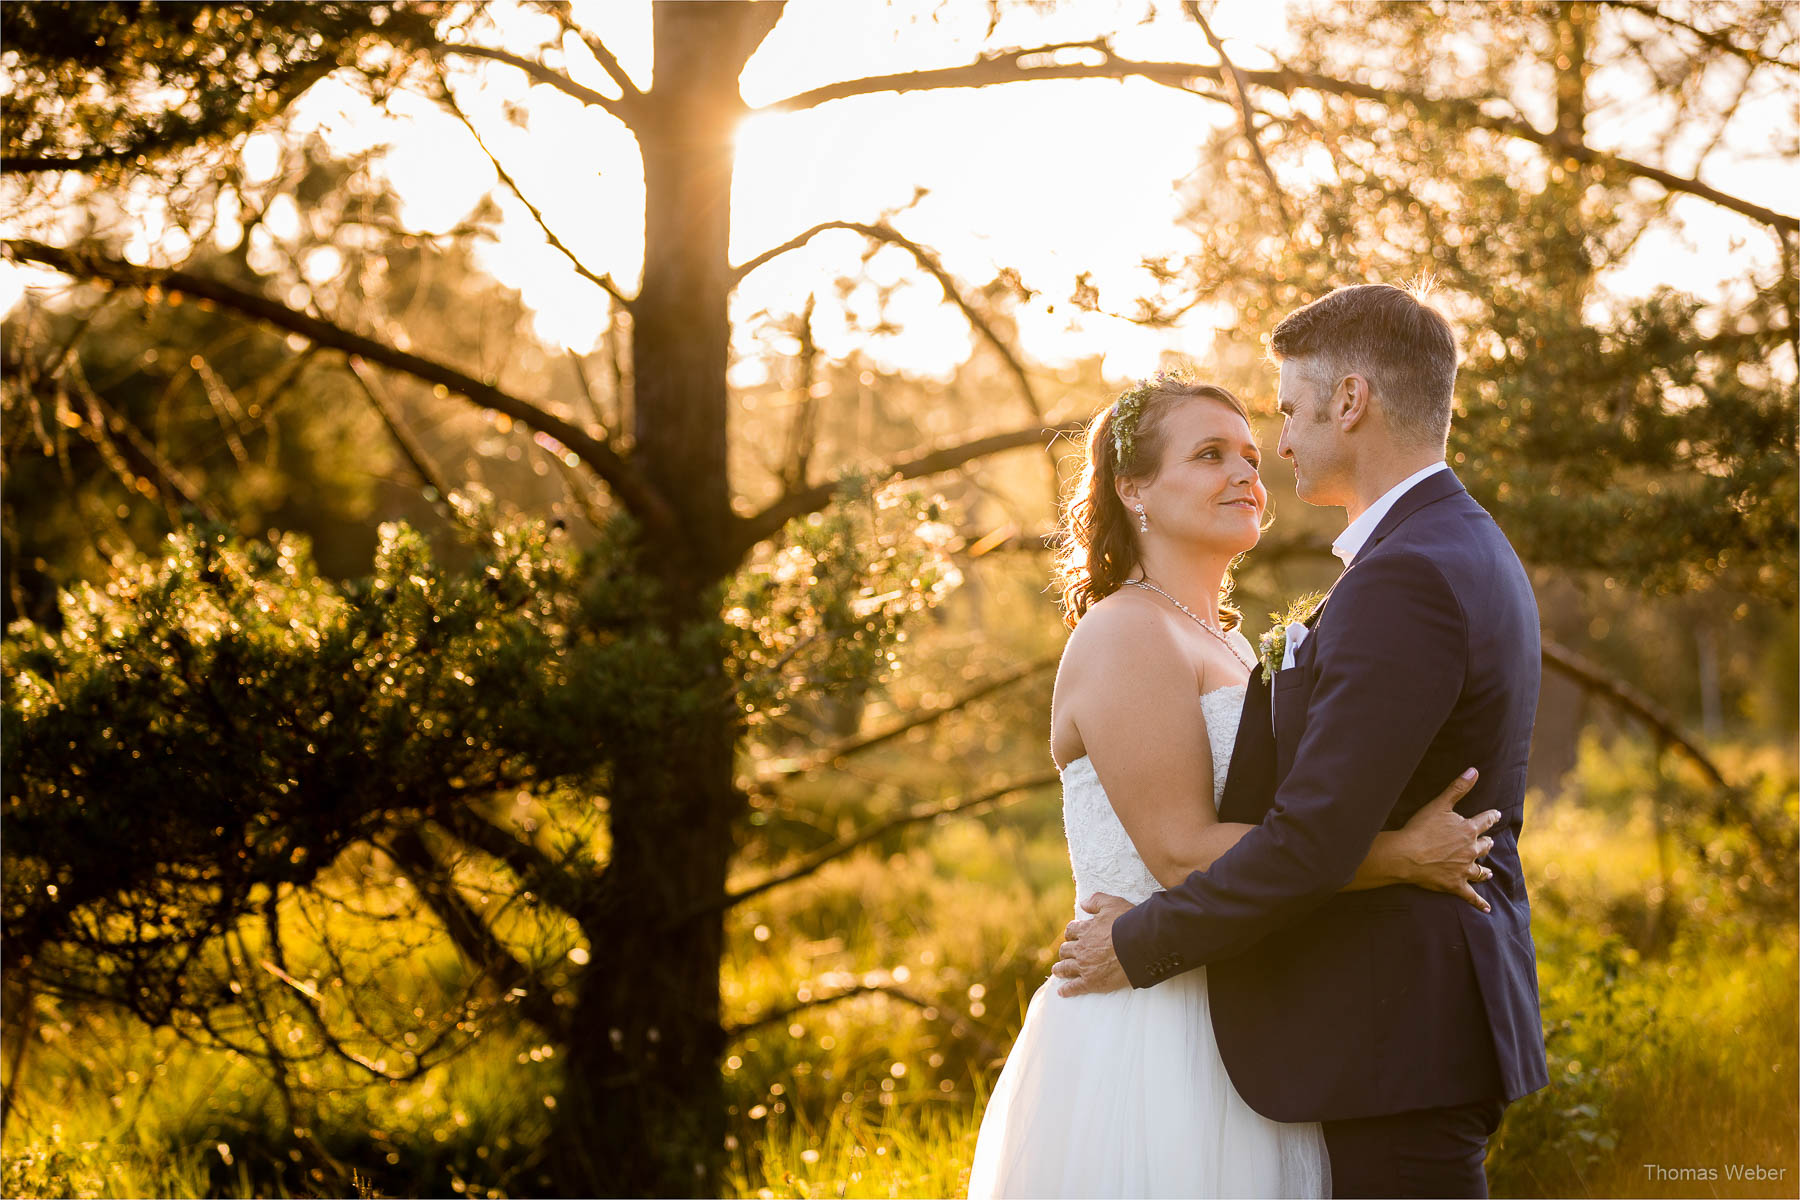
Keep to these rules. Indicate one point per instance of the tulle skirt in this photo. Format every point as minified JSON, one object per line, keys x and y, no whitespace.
{"x":1124,"y":1094}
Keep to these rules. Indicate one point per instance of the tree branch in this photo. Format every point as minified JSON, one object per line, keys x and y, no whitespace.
{"x":1595,"y":678}
{"x":587,"y":389}
{"x":1472,"y":114}
{"x":468,"y":932}
{"x":803,"y":430}
{"x":604,"y":282}
{"x":608,"y":62}
{"x":168,"y":477}
{"x":1006,"y":67}
{"x":178,"y":132}
{"x":537,"y":871}
{"x":768,"y":522}
{"x":809,"y":863}
{"x":926,"y":715}
{"x":882,"y":232}
{"x":624,"y":109}
{"x":1240,"y":98}
{"x":624,"y":479}
{"x":409,"y":446}
{"x":1717,"y":40}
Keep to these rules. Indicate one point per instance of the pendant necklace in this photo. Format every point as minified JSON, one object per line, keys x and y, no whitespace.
{"x":1223,"y":640}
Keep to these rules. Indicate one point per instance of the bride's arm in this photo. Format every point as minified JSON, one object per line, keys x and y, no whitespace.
{"x":1135,"y":701}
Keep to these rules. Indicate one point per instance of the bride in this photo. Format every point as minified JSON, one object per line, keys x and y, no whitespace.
{"x":1123,"y":1093}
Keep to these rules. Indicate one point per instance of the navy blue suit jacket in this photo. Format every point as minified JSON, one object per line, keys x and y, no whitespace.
{"x":1333,"y":1005}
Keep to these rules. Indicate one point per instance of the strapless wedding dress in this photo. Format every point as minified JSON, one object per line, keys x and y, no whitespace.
{"x":1123,"y":1093}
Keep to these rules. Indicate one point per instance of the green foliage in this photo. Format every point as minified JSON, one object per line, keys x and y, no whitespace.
{"x":127,"y":414}
{"x":1650,"y":439}
{"x":881,"y":1095}
{"x":93,"y":83}
{"x":212,"y":763}
{"x":820,"y":611}
{"x":1666,"y":963}
{"x":221,"y":721}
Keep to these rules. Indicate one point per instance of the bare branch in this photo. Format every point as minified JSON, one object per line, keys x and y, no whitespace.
{"x":94,"y":429}
{"x":1240,"y":98}
{"x":624,"y":109}
{"x":925,"y":715}
{"x":1595,"y":678}
{"x":1009,"y":537}
{"x":587,"y":389}
{"x":1717,"y":39}
{"x":768,"y":522}
{"x":608,"y":62}
{"x":809,"y":863}
{"x":277,"y":965}
{"x":781,"y":1016}
{"x":167,"y":476}
{"x":470,"y":934}
{"x":556,"y":883}
{"x":602,"y":281}
{"x":1006,"y":67}
{"x":625,"y":480}
{"x":882,"y":232}
{"x":409,"y":446}
{"x":803,"y":430}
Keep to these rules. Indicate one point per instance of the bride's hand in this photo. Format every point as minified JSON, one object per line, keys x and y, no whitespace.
{"x":1443,"y":849}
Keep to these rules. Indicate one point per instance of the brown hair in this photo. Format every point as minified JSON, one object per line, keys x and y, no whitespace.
{"x":1098,"y":542}
{"x":1388,"y":335}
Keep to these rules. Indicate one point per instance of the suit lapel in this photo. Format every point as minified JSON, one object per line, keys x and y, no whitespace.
{"x":1250,"y":783}
{"x":1434,"y":487}
{"x":1439,"y":485}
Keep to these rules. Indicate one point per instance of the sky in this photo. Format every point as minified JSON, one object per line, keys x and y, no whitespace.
{"x":1052,"y":179}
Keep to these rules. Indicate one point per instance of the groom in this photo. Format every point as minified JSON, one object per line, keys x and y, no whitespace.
{"x":1402,"y":1019}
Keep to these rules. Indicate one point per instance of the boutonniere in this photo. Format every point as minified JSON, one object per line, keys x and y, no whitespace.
{"x":1272,"y":646}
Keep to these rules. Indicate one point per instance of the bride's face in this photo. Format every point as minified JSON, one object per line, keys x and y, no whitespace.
{"x":1207,"y":490}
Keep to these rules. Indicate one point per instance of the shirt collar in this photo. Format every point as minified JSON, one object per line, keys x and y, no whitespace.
{"x":1357,"y":532}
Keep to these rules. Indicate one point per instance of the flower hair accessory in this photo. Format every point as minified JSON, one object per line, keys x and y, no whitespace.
{"x":1126,"y":411}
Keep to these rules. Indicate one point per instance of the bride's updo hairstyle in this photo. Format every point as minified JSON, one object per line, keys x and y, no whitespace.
{"x":1098,"y":542}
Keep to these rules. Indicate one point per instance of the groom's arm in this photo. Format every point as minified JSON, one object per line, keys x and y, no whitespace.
{"x":1389,"y":666}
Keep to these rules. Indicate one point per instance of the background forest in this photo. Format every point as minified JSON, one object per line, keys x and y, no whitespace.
{"x":553,"y":700}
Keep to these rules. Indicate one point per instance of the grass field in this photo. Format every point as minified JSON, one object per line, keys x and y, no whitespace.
{"x":1668,"y":965}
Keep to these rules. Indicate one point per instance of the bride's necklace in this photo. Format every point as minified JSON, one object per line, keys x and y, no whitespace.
{"x":1223,"y":640}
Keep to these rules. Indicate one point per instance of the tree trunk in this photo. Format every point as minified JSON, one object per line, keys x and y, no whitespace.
{"x":681,"y":332}
{"x":643,"y":1107}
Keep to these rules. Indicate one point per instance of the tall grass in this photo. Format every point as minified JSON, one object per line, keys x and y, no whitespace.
{"x":1668,"y":973}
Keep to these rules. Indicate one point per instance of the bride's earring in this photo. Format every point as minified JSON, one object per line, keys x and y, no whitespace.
{"x":1143,"y":521}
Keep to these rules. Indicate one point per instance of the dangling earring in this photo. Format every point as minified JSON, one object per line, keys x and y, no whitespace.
{"x":1143,"y":521}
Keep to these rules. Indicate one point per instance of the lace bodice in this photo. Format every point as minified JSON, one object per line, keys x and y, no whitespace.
{"x":1100,"y":851}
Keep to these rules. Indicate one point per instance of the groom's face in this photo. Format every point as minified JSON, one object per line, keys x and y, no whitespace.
{"x":1310,"y":439}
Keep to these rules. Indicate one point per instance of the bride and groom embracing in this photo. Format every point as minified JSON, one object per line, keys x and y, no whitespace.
{"x":1300,"y":969}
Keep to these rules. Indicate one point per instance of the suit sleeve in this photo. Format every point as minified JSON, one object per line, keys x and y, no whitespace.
{"x":1388,"y":668}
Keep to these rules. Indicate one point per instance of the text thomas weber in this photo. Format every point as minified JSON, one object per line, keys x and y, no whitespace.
{"x":1736,"y":1172}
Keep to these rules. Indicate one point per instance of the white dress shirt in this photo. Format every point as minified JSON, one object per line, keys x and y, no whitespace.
{"x":1357,"y":532}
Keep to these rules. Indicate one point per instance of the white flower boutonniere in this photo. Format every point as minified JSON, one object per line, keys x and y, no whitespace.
{"x":1272,"y":646}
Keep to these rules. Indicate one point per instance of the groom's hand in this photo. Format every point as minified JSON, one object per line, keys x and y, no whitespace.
{"x":1088,"y":962}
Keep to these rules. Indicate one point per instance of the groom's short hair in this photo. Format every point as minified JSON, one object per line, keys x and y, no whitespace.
{"x":1403,"y":347}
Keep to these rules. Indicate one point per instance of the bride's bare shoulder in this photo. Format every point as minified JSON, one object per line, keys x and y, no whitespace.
{"x":1119,"y":631}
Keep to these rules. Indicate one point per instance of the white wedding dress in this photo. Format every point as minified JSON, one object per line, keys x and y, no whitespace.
{"x":1123,"y":1093}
